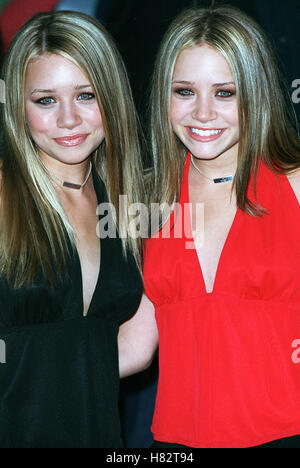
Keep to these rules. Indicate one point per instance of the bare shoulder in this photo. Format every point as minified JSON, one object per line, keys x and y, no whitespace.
{"x":294,"y":179}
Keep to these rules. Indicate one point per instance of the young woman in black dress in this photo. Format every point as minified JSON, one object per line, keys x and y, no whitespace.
{"x":70,"y":143}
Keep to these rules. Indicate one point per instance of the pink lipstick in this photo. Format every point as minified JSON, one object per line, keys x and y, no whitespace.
{"x":73,"y":140}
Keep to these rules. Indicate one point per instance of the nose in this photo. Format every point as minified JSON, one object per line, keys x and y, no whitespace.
{"x":68,"y":116}
{"x":204,"y":109}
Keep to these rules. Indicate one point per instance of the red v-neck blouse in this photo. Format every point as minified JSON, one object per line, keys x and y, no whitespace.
{"x":228,"y":376}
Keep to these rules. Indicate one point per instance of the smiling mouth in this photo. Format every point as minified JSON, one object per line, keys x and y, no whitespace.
{"x":71,"y":140}
{"x":204,"y":134}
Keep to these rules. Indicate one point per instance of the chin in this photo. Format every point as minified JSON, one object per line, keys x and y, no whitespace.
{"x":204,"y":156}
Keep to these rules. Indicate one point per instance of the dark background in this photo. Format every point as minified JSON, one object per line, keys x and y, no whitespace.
{"x":138,"y":27}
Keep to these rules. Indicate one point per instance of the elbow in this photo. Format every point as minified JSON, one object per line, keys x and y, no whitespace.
{"x":144,"y":360}
{"x":149,"y":359}
{"x":141,"y":362}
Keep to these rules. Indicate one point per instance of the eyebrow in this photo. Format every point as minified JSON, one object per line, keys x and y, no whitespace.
{"x":77,"y":87}
{"x":215,"y":85}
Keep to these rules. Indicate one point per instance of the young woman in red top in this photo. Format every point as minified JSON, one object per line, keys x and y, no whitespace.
{"x":226,"y":286}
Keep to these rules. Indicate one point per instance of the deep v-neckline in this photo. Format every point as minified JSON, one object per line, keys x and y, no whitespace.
{"x":97,"y":189}
{"x":96,"y":283}
{"x":228,"y":240}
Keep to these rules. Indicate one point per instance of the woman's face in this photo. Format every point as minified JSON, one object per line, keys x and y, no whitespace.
{"x":61,"y":110}
{"x":204,"y":111}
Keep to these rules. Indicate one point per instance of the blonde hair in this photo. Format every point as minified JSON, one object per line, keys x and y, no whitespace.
{"x":265,"y":118}
{"x":34,"y":227}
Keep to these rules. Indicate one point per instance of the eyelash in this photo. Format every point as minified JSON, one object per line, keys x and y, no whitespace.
{"x":41,"y":101}
{"x":183,"y":92}
{"x":90,"y":96}
{"x":229,"y":93}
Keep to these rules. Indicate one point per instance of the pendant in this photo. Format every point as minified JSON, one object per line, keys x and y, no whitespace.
{"x":222,"y":179}
{"x":70,"y":185}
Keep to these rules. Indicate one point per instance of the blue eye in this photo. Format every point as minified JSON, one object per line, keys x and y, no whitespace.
{"x":45,"y":101}
{"x":224,"y":93}
{"x":184,"y":91}
{"x":86,"y":96}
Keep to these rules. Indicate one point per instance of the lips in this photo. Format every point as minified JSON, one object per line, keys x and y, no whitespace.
{"x":73,"y":140}
{"x":205,"y":134}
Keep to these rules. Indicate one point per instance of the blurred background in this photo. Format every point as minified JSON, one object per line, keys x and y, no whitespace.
{"x":137,"y":27}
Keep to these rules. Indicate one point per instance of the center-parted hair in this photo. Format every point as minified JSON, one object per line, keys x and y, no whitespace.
{"x":267,"y":131}
{"x":34,"y":227}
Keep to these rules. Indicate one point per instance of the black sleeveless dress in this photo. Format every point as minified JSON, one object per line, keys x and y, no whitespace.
{"x":59,"y":384}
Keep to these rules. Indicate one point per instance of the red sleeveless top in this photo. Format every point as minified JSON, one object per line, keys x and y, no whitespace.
{"x":229,"y":370}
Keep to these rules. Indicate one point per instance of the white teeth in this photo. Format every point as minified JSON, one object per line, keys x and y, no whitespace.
{"x":205,"y":132}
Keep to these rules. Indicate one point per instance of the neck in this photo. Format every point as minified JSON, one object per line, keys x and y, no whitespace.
{"x":72,"y":173}
{"x":218,"y":167}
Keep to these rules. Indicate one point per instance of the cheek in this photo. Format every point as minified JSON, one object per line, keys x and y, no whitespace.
{"x":176,"y":106}
{"x":232,"y":115}
{"x":94,"y":119}
{"x":93,"y":116}
{"x":98,"y":125}
{"x":176,"y":113}
{"x":36,"y":122}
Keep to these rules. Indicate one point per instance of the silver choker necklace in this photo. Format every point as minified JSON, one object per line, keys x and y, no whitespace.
{"x":71,"y":185}
{"x":217,"y":180}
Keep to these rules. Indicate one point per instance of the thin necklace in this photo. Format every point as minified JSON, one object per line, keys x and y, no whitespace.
{"x":217,"y":180}
{"x":64,"y":183}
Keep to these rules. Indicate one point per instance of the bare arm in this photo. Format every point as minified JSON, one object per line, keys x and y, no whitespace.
{"x":294,"y":179}
{"x":138,"y":340}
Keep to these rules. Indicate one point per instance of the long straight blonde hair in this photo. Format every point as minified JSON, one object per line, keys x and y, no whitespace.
{"x":35,"y":230}
{"x":267,"y":130}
